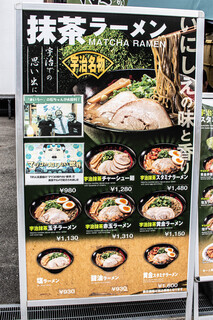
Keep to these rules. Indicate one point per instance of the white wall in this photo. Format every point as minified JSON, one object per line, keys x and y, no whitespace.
{"x":7,"y":45}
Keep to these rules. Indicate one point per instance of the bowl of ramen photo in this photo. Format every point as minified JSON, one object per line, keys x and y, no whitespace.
{"x":55,"y":208}
{"x":208,"y":195}
{"x":164,"y":158}
{"x":208,"y":222}
{"x":110,"y":207}
{"x":110,"y":159}
{"x":55,"y":260}
{"x":109,"y":258}
{"x":208,"y":164}
{"x":129,"y":103}
{"x":161,"y":255}
{"x":207,"y":253}
{"x":162,"y":206}
{"x":122,"y":116}
{"x":209,"y":141}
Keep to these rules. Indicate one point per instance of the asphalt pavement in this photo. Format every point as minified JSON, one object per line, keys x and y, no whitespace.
{"x":9,"y":279}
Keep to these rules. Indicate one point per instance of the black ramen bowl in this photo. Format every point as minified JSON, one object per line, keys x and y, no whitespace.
{"x":100,"y":134}
{"x":205,"y":192}
{"x":209,"y":141}
{"x":206,"y":161}
{"x":109,"y":194}
{"x":108,"y":147}
{"x":210,"y":216}
{"x":205,"y":256}
{"x":53,"y":250}
{"x":35,"y":204}
{"x":110,"y":248}
{"x":164,"y":265}
{"x":145,"y":152}
{"x":174,"y":195}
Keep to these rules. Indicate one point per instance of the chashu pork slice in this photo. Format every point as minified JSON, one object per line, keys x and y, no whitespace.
{"x":103,"y":168}
{"x":54,"y":216}
{"x":122,"y":159}
{"x":159,"y":213}
{"x":112,"y":261}
{"x":108,"y":167}
{"x":120,"y":166}
{"x":161,"y":258}
{"x":164,"y":165}
{"x":109,"y":108}
{"x":60,"y":262}
{"x":116,"y":170}
{"x":143,"y":114}
{"x":111,"y":213}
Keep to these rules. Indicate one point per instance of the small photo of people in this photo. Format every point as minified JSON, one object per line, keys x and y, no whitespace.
{"x":48,"y":119}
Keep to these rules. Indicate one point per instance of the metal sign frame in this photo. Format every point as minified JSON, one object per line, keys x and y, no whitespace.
{"x":206,"y":98}
{"x":19,"y":149}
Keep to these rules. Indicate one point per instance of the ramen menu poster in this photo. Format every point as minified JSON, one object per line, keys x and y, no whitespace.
{"x":108,"y":146}
{"x":206,"y":192}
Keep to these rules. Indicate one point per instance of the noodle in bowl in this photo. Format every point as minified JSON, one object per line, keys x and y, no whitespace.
{"x":109,"y":258}
{"x":55,"y":260}
{"x":162,"y":206}
{"x":110,"y":207}
{"x":110,"y":159}
{"x":120,"y":104}
{"x":102,"y":133}
{"x":161,"y":255}
{"x":163,"y":158}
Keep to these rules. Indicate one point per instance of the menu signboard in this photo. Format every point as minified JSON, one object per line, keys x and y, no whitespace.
{"x":205,"y":193}
{"x":107,"y":199}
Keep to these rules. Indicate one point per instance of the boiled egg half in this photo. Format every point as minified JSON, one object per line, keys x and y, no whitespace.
{"x":171,"y":254}
{"x":121,"y":201}
{"x":124,"y":208}
{"x":68,"y":205}
{"x":62,"y":200}
{"x":178,"y":160}
{"x":174,"y":153}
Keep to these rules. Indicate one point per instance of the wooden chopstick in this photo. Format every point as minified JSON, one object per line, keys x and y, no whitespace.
{"x":188,"y":30}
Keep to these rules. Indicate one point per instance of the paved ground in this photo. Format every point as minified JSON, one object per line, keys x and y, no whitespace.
{"x":9,"y":286}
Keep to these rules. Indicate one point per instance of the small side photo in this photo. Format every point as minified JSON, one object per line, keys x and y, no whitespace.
{"x":50,"y":116}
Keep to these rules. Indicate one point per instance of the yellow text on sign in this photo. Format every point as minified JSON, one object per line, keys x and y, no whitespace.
{"x":87,"y":63}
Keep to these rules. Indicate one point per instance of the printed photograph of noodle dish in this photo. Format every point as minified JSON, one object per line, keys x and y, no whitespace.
{"x":55,"y":209}
{"x":163,"y":159}
{"x":208,"y":195}
{"x":209,"y":141}
{"x":161,"y":255}
{"x":110,"y":207}
{"x":138,"y":100}
{"x":131,"y":104}
{"x":208,"y":164}
{"x":207,"y":253}
{"x":208,"y":222}
{"x":110,"y":159}
{"x":162,"y":206}
{"x":55,"y":260}
{"x":109,"y":258}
